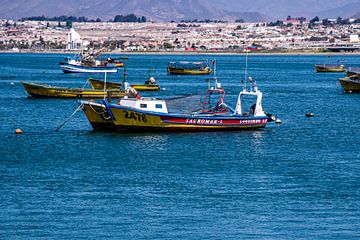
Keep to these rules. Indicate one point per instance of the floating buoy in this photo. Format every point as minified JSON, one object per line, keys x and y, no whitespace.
{"x":278,"y":121}
{"x":309,"y":114}
{"x":163,"y":89}
{"x":18,"y":131}
{"x":350,"y":91}
{"x":12,"y":83}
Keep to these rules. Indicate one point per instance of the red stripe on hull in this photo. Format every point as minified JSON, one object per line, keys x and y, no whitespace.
{"x":214,"y":121}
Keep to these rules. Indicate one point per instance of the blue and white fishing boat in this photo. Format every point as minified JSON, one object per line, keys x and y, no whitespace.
{"x":72,"y":68}
{"x":88,"y":63}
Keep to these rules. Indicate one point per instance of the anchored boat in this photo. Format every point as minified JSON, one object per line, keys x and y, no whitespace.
{"x":330,"y":68}
{"x":353,"y":71}
{"x":39,"y":90}
{"x":151,"y":114}
{"x":188,"y":68}
{"x":350,"y":84}
{"x":100,"y":84}
{"x":89,"y":63}
{"x":70,"y":68}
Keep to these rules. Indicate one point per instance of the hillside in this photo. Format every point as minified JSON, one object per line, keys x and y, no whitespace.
{"x":160,"y":10}
{"x":167,"y":10}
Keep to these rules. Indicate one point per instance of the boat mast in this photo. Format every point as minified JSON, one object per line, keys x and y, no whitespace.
{"x":105,"y":85}
{"x":215,"y":78}
{"x":246,"y":66}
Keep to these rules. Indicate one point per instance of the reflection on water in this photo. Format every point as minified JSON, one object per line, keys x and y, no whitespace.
{"x":153,"y":142}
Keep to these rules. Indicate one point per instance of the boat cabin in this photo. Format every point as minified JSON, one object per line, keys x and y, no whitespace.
{"x":250,"y":97}
{"x":146,"y":104}
{"x":73,"y":61}
{"x":188,"y":65}
{"x":213,"y":102}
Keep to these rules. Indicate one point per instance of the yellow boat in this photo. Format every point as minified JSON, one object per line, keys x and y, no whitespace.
{"x":350,"y":84}
{"x":152,"y":115}
{"x":100,"y":84}
{"x":47,"y":91}
{"x":353,"y":71}
{"x":188,"y":68}
{"x":330,"y":68}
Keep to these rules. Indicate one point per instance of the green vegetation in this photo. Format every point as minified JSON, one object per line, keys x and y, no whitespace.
{"x":129,"y":18}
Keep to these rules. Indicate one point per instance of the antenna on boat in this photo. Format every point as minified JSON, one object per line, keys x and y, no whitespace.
{"x":215,"y":78}
{"x":246,"y":67}
{"x":124,"y":73}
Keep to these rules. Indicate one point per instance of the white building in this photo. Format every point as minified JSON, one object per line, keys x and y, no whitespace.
{"x":73,"y":40}
{"x":354,"y":38}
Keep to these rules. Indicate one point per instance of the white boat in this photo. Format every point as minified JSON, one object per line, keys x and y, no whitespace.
{"x":70,"y":68}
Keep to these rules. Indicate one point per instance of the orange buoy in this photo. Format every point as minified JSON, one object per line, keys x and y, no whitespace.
{"x":18,"y":131}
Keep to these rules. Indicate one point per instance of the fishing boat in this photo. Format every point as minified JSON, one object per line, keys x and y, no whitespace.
{"x":152,"y":115}
{"x":353,"y":71}
{"x":39,"y":90}
{"x":350,"y":84}
{"x":90,"y":63}
{"x":330,"y":68}
{"x":100,"y":84}
{"x":69,"y":68}
{"x":188,"y":68}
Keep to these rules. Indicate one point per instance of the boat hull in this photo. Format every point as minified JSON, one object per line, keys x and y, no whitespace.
{"x":99,"y":84}
{"x":320,"y":68}
{"x":176,"y":71}
{"x":350,"y":85}
{"x":352,"y":72}
{"x":68,"y":68}
{"x":47,"y":91}
{"x":124,"y":119}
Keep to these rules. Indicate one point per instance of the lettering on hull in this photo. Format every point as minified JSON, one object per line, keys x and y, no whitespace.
{"x":203,"y":121}
{"x":135,"y":116}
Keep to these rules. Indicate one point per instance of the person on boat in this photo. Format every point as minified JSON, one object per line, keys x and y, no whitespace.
{"x":252,"y":109}
{"x":132,"y":93}
{"x":126,"y":86}
{"x":150,"y":81}
{"x":221,"y":107}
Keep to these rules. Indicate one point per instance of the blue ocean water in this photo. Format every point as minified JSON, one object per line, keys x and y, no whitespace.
{"x":297,"y":180}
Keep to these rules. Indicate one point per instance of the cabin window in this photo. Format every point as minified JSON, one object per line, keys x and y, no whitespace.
{"x":143,"y":105}
{"x":158,"y":105}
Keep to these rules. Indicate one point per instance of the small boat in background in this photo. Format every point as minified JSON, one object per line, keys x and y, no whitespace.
{"x":351,"y":84}
{"x":330,"y":68}
{"x":147,"y":87}
{"x":39,"y":90}
{"x":89,"y":63}
{"x":70,"y":68}
{"x":353,"y":71}
{"x":189,"y":68}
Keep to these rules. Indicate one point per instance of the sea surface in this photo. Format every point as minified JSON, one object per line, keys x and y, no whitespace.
{"x":296,"y":180}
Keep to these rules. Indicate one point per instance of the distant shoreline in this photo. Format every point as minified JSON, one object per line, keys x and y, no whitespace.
{"x":300,"y":53}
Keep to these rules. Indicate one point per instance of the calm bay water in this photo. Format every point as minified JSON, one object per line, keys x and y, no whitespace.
{"x":297,"y":180}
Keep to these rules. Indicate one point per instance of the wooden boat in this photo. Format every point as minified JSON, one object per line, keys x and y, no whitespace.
{"x":353,"y":71}
{"x":350,"y":84}
{"x":188,"y":68}
{"x":330,"y":68}
{"x":152,"y":115}
{"x":47,"y":91}
{"x":100,"y":84}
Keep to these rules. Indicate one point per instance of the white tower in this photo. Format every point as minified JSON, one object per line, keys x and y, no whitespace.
{"x":73,"y":40}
